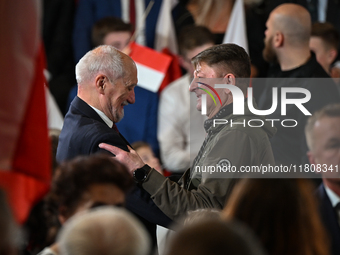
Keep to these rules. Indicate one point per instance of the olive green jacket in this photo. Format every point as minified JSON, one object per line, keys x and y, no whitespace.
{"x":226,"y":145}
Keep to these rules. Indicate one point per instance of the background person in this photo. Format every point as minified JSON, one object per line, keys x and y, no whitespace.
{"x":287,"y":47}
{"x":213,"y":236}
{"x":282,"y":213}
{"x":323,"y":138}
{"x":104,"y":230}
{"x":82,"y":183}
{"x":324,"y":43}
{"x":145,"y":152}
{"x":180,"y":126}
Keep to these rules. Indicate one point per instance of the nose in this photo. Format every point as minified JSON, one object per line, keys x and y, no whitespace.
{"x":131,"y":99}
{"x":193,"y":86}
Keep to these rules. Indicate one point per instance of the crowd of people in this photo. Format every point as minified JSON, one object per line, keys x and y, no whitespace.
{"x":132,"y":167}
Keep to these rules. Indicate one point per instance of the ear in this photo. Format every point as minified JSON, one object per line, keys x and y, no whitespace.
{"x":100,"y":82}
{"x":332,"y":55}
{"x":230,"y":79}
{"x":278,"y":39}
{"x":311,"y":157}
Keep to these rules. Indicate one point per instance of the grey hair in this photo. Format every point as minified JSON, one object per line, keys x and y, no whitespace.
{"x":105,"y":59}
{"x":214,"y":236}
{"x":201,"y":214}
{"x":331,"y":110}
{"x":105,"y":230}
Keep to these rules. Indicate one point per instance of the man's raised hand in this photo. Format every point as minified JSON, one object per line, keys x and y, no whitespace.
{"x":130,"y":158}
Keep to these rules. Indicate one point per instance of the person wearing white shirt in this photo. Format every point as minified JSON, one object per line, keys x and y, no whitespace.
{"x":180,"y":125}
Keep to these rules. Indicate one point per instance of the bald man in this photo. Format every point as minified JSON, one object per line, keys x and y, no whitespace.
{"x":287,"y":36}
{"x":106,"y":80}
{"x":287,"y":46}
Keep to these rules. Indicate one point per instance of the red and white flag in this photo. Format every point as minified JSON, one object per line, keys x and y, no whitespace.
{"x":237,"y":31}
{"x":25,"y":167}
{"x":151,"y":66}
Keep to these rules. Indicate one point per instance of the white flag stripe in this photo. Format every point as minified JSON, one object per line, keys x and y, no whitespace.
{"x":165,"y":29}
{"x":236,"y":31}
{"x":149,"y":78}
{"x":55,"y":118}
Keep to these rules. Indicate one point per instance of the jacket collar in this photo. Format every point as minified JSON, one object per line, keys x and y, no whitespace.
{"x":222,"y":113}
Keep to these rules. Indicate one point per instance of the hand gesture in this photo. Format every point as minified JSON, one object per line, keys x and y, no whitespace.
{"x":129,"y":158}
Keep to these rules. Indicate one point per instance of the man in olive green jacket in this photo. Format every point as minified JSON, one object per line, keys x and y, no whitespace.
{"x":231,"y":143}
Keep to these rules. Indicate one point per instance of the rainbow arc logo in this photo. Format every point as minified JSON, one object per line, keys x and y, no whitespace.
{"x":209,"y":93}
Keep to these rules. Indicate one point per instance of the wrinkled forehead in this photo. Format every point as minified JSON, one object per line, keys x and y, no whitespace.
{"x":218,"y":70}
{"x":130,"y":73}
{"x":203,"y":66}
{"x":327,"y":126}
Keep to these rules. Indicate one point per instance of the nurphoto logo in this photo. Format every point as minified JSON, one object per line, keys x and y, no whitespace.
{"x":281,"y":95}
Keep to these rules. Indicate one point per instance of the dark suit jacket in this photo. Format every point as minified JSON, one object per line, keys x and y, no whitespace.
{"x":82,"y":132}
{"x":140,"y":119}
{"x":329,"y":217}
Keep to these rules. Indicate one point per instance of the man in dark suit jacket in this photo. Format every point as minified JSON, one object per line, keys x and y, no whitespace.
{"x":323,"y":138}
{"x":330,"y":218}
{"x":106,"y":80}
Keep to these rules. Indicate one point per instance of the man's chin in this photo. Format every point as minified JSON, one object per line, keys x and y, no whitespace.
{"x":199,"y":107}
{"x":269,"y":57}
{"x":119,"y":117}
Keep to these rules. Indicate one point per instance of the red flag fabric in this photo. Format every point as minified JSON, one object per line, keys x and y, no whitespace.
{"x":174,"y":71}
{"x":151,"y":66}
{"x":25,"y":167}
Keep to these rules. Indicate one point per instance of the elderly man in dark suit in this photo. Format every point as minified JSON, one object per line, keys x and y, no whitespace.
{"x":323,"y":138}
{"x":106,"y":80}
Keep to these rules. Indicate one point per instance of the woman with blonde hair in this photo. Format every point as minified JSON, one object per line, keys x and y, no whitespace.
{"x":282,"y":213}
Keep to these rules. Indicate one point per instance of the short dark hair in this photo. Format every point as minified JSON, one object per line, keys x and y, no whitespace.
{"x":193,"y":36}
{"x":74,"y":177}
{"x":327,"y":32}
{"x":227,"y":57}
{"x":107,"y":25}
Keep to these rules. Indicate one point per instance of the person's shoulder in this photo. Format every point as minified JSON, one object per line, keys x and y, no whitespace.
{"x":96,"y":130}
{"x":315,"y":69}
{"x":254,"y":133}
{"x":178,"y":86}
{"x":85,"y":130}
{"x":320,"y":191}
